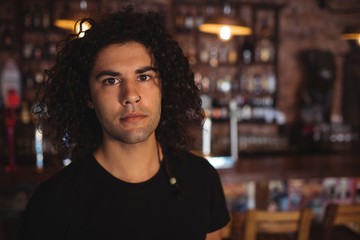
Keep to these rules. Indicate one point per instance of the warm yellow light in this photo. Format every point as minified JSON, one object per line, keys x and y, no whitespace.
{"x":84,"y":26}
{"x":352,"y":33}
{"x":215,"y":28}
{"x":225,"y":33}
{"x":72,"y":25}
{"x":351,"y":36}
{"x":67,"y":24}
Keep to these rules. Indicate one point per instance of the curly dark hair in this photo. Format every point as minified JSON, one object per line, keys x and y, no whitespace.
{"x":62,"y":108}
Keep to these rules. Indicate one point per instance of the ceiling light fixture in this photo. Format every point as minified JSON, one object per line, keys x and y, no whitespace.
{"x":69,"y":20}
{"x":352,"y":33}
{"x":225,"y":26}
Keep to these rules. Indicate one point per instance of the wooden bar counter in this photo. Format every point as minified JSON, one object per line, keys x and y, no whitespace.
{"x":257,"y":168}
{"x":246,"y":168}
{"x":294,"y":165}
{"x":262,"y":169}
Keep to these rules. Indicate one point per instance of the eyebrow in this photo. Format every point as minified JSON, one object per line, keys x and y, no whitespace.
{"x":145,"y":69}
{"x":108,"y":73}
{"x":117,"y":74}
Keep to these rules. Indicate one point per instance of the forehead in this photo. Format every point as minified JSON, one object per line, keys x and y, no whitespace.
{"x":124,"y":51}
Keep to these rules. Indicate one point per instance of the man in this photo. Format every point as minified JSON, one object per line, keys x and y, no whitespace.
{"x":122,"y":96}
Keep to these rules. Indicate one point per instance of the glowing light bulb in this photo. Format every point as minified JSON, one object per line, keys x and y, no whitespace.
{"x":358,"y":41}
{"x":225,"y":33}
{"x":84,"y":26}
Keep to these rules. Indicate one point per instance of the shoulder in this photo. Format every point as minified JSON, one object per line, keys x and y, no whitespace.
{"x":63,"y":178}
{"x":52,"y":200}
{"x":189,"y":159}
{"x":190,"y":165}
{"x":63,"y":184}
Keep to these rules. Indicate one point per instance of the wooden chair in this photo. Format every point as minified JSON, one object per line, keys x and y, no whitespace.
{"x":237,"y":225}
{"x":340,"y":221}
{"x":278,"y":225}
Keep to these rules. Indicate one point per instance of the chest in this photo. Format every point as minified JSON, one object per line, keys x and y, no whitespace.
{"x":142,"y":213}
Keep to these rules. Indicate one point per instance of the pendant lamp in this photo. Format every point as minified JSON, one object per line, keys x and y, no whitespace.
{"x":68,"y":19}
{"x":225,"y":26}
{"x":352,"y":33}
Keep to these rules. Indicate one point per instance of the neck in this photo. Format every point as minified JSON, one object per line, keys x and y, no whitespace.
{"x":130,"y":162}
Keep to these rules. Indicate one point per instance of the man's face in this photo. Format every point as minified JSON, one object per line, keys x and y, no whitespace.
{"x":125,"y":92}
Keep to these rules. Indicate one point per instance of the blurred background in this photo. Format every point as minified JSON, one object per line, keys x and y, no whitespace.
{"x":280,"y":83}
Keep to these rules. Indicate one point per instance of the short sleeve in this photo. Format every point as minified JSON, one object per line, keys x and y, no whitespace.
{"x":219,"y":214}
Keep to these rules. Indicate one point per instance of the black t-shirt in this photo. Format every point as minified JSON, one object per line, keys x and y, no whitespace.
{"x":84,"y":201}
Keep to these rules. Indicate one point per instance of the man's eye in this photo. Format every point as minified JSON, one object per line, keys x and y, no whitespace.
{"x":144,"y":77}
{"x":111,"y":81}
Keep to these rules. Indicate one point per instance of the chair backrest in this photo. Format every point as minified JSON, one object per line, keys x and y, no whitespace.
{"x":258,"y":221}
{"x":237,"y":225}
{"x":340,"y":214}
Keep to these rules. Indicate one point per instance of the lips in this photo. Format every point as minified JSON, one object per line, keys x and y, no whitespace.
{"x":133,"y":117}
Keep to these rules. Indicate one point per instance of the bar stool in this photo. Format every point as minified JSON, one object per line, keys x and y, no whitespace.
{"x":341,"y":221}
{"x":267,"y":225}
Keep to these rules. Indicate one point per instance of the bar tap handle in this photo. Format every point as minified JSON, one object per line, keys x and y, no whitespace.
{"x":234,"y":117}
{"x":206,"y":131}
{"x":10,"y":86}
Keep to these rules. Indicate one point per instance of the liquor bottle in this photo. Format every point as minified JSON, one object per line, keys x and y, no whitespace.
{"x":247,"y":51}
{"x":214,"y":56}
{"x":28,"y":18}
{"x":11,"y":92}
{"x":46,"y":21}
{"x":37,"y":52}
{"x":10,"y":80}
{"x":232,"y":56}
{"x":27,"y":50}
{"x":257,"y":84}
{"x":189,"y":22}
{"x":29,"y":80}
{"x":271,"y":82}
{"x":37,"y":17}
{"x":179,"y":22}
{"x":199,"y":18}
{"x":192,"y":53}
{"x":223,"y":54}
{"x":25,"y":114}
{"x":265,"y":50}
{"x":7,"y":39}
{"x":204,"y":54}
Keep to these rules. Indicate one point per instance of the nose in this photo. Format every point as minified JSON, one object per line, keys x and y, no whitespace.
{"x":129,"y":94}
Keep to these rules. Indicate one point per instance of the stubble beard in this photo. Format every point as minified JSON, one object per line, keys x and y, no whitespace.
{"x":133,"y":135}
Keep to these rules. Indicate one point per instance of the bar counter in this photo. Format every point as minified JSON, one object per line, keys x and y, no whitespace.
{"x":295,"y":165}
{"x":246,"y":168}
{"x":257,"y":168}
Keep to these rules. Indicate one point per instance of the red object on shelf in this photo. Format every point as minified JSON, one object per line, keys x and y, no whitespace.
{"x":13,"y":101}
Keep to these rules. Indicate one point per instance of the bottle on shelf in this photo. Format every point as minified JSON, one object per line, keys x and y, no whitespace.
{"x":247,"y":51}
{"x":27,"y":16}
{"x":38,"y":52}
{"x":37,"y":17}
{"x":214,"y":56}
{"x":11,"y":93}
{"x":265,"y":50}
{"x":223,"y":54}
{"x":46,"y":18}
{"x":189,"y":22}
{"x":10,"y":80}
{"x":232,"y":56}
{"x":7,"y":39}
{"x":179,"y":21}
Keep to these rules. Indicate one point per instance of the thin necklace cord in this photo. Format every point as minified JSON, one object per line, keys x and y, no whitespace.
{"x":172,"y":180}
